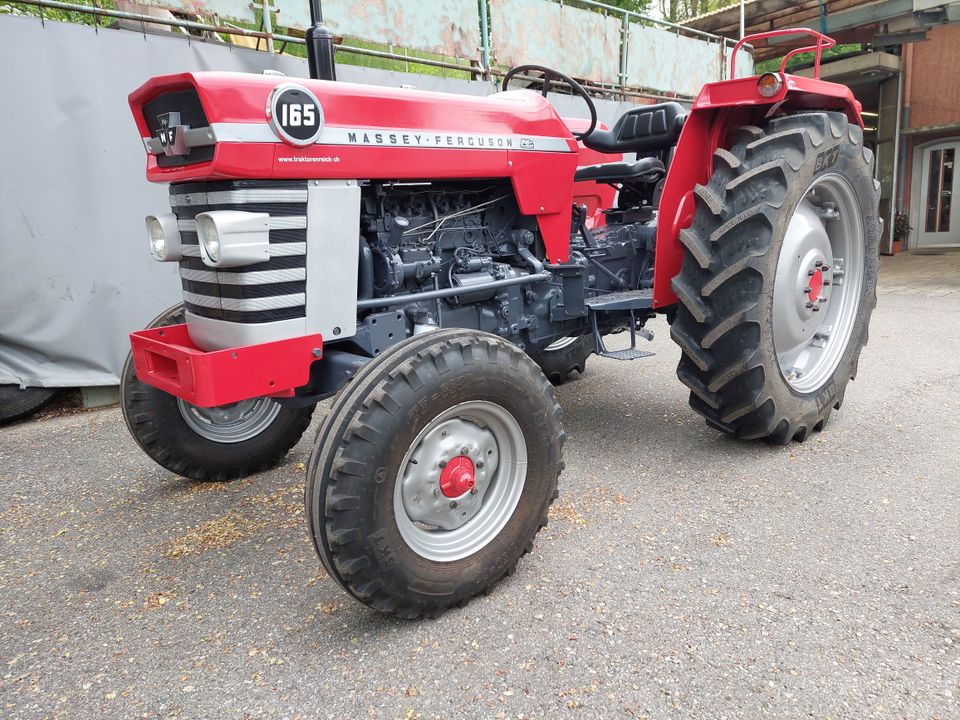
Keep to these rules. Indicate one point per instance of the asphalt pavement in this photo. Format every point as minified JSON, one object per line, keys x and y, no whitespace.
{"x":682,"y":575}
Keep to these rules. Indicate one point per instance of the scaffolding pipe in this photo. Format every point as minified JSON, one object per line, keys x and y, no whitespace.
{"x":894,"y":185}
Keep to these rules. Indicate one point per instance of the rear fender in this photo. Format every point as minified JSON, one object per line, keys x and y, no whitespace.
{"x":718,"y":111}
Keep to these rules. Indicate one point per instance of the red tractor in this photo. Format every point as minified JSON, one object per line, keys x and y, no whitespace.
{"x":433,"y":261}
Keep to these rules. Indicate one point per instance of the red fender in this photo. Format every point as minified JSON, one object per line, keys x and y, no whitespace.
{"x":718,"y":111}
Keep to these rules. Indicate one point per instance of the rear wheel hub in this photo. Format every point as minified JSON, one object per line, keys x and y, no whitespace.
{"x":817,"y":288}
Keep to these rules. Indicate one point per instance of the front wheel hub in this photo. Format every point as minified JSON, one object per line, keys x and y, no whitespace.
{"x":457,"y":477}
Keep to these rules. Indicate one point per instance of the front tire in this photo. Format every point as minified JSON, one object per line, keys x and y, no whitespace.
{"x":213,"y":444}
{"x":434,"y":471}
{"x":779,"y":276}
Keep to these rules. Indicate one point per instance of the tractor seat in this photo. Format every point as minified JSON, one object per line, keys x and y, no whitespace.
{"x":643,"y":129}
{"x":628,"y":171}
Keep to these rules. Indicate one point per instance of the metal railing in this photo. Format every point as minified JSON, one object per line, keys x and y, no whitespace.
{"x":481,"y":67}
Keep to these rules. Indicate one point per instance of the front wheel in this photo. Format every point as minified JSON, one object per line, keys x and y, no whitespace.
{"x":779,"y":277}
{"x":434,"y":471}
{"x":219,"y":443}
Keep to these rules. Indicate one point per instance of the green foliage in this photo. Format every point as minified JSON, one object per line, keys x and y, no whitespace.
{"x":679,"y":11}
{"x":802,"y":59}
{"x":78,"y":18}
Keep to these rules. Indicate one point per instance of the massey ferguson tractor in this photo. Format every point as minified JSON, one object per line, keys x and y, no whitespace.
{"x":433,"y":261}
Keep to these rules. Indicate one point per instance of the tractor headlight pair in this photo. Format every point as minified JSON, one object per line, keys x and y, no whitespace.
{"x":227,"y":238}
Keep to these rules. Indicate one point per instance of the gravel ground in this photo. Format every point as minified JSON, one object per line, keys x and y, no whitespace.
{"x":682,"y":574}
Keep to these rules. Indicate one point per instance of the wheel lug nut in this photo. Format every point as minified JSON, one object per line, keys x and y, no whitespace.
{"x":442,"y":463}
{"x":811,"y":272}
{"x":453,"y":504}
{"x":464,"y":450}
{"x":819,"y":263}
{"x":473,"y":491}
{"x":479,"y":463}
{"x":825,"y":268}
{"x":809,"y":305}
{"x":815,"y":308}
{"x":807,"y":289}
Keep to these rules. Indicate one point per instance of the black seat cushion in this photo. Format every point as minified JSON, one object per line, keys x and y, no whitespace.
{"x":647,"y":128}
{"x":642,"y":170}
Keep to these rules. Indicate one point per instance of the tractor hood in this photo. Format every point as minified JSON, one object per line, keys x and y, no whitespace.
{"x":215,"y":125}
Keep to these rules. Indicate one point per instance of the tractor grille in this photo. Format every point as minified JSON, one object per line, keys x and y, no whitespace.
{"x":265,"y":292}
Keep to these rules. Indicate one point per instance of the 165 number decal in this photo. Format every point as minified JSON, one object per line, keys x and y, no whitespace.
{"x":295,"y":115}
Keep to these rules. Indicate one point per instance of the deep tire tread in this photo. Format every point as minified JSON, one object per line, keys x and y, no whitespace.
{"x":721,"y":321}
{"x":333,"y":513}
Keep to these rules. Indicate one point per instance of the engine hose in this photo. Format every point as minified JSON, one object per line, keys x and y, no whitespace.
{"x":451,"y":291}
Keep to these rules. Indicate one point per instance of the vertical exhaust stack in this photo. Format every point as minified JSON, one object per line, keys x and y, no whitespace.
{"x":320,"y":46}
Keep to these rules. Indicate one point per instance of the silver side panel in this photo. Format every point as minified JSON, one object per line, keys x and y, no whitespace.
{"x":333,"y":236}
{"x":210,"y":334}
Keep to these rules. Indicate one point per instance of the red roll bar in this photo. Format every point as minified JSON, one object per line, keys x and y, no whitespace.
{"x":823,"y":42}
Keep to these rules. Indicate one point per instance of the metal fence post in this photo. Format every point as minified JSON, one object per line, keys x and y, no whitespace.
{"x":484,"y":40}
{"x":268,"y":23}
{"x":624,"y":42}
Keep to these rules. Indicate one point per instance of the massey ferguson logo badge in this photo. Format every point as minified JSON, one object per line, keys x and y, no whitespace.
{"x":170,"y":134}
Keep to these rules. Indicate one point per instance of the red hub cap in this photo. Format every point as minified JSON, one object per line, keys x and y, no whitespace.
{"x":457,"y":477}
{"x":815,"y":285}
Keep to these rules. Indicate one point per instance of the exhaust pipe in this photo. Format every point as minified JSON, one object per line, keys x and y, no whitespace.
{"x":320,"y":46}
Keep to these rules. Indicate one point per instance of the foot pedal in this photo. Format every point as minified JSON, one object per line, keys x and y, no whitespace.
{"x":630,"y":353}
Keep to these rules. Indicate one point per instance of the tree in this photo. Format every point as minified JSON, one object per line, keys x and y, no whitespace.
{"x":637,"y":6}
{"x":679,"y":11}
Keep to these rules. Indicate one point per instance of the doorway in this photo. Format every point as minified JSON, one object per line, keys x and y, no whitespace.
{"x":939,"y":217}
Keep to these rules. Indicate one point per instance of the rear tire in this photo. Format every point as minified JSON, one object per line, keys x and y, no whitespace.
{"x":207,"y":444}
{"x":379,"y":454}
{"x":561,"y":359}
{"x":737,"y":302}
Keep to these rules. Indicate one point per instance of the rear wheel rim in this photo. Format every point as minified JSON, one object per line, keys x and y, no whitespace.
{"x":816,"y":292}
{"x":445,"y":528}
{"x":231,"y":423}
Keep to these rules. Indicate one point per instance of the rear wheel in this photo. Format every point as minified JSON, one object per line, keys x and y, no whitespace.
{"x":563,"y":357}
{"x":779,"y":277}
{"x":219,"y":443}
{"x":433,"y":472}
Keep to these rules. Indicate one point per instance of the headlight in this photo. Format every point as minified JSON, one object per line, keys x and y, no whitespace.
{"x":209,"y":237}
{"x":231,"y":238}
{"x":163,"y":237}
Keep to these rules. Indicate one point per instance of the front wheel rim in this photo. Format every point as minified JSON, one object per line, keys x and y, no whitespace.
{"x":444,"y":525}
{"x":231,"y":423}
{"x":816,"y":294}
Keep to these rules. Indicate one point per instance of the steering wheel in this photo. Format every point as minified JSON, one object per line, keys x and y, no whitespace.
{"x":549,"y":77}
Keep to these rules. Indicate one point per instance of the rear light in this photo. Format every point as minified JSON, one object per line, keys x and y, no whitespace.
{"x":769,"y":84}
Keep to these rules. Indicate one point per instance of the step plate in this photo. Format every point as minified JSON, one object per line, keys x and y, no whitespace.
{"x":628,"y":354}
